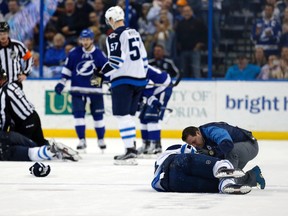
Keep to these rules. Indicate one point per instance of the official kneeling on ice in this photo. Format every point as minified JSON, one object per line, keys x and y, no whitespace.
{"x":181,"y":169}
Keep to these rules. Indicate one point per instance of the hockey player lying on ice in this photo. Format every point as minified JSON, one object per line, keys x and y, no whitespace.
{"x":16,"y":147}
{"x":181,"y":169}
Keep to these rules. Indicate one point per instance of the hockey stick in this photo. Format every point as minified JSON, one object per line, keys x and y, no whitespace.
{"x":167,"y":109}
{"x":92,"y":93}
{"x":178,"y":79}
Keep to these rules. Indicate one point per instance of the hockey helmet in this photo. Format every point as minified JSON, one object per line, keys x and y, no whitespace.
{"x":116,"y":13}
{"x":87,"y":33}
{"x":4,"y":27}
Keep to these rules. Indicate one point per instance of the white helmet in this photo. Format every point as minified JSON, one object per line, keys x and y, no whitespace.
{"x":116,"y":13}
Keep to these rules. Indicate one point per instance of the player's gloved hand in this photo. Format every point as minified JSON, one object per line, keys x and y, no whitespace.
{"x":39,"y":170}
{"x":60,"y":86}
{"x":97,"y":78}
{"x":154,"y":102}
{"x":206,"y":152}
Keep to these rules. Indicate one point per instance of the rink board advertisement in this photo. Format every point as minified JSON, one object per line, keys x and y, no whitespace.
{"x":257,"y":106}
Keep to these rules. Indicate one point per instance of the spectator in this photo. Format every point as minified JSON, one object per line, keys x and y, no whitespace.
{"x":242,"y":70}
{"x":69,"y":23}
{"x":266,"y":32}
{"x":164,"y":34}
{"x":56,"y":55}
{"x":191,"y":38}
{"x":146,"y":28}
{"x":276,"y":12}
{"x":162,"y":62}
{"x":13,"y":7}
{"x":272,"y":64}
{"x":281,"y":73}
{"x":35,"y":70}
{"x":99,"y":10}
{"x":259,"y":57}
{"x":154,"y":12}
{"x":95,"y":27}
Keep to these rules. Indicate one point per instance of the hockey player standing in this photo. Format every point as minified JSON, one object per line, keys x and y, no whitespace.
{"x":78,"y":68}
{"x":155,"y":96}
{"x":126,"y":66}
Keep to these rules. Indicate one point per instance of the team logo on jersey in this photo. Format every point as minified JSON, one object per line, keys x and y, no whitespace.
{"x":112,"y":35}
{"x":85,"y":68}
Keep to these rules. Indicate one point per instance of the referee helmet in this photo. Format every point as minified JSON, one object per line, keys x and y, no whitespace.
{"x":4,"y":27}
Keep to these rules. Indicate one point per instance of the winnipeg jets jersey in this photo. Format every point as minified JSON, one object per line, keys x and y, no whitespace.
{"x":79,"y":66}
{"x":174,"y":149}
{"x":158,"y":81}
{"x":127,"y":58}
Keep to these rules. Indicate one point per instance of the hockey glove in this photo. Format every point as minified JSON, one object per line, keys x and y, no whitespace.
{"x":97,"y":78}
{"x":60,"y":86}
{"x":40,"y":170}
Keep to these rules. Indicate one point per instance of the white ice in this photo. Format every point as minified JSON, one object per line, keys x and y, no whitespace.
{"x":94,"y":186}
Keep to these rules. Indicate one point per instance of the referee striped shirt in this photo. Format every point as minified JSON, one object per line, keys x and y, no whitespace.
{"x":15,"y":59}
{"x":13,"y":105}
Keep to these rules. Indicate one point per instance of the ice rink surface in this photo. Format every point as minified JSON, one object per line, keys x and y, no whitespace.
{"x":96,"y":187}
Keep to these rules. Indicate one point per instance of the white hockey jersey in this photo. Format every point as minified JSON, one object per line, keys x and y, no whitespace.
{"x":174,"y":149}
{"x":127,"y":58}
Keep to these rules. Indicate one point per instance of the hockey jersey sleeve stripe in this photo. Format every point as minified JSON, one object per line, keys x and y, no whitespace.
{"x":114,"y":66}
{"x":115,"y":58}
{"x":66,"y":71}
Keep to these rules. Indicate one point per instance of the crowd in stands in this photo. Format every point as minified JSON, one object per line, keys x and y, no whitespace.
{"x":179,"y":26}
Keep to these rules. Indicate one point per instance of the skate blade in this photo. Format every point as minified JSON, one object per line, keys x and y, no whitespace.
{"x":230,"y":174}
{"x":147,"y":156}
{"x":244,"y":189}
{"x":127,"y":162}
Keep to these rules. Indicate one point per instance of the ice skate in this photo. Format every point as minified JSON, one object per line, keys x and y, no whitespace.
{"x":236,"y":189}
{"x":259,"y":178}
{"x":82,"y":146}
{"x":223,"y":172}
{"x":129,"y":158}
{"x":63,"y":152}
{"x":143,"y":148}
{"x":101,"y":145}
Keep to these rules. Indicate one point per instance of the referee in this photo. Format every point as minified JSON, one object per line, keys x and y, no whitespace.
{"x":11,"y":54}
{"x":17,"y":113}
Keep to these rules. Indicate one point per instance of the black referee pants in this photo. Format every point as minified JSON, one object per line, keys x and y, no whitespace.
{"x":32,"y":129}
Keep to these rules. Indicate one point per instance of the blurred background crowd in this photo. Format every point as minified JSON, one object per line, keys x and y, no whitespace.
{"x":250,"y":38}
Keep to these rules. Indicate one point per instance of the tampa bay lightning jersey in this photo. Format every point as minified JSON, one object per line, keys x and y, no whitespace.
{"x":79,"y":66}
{"x":158,"y":81}
{"x":174,"y":149}
{"x":127,"y":58}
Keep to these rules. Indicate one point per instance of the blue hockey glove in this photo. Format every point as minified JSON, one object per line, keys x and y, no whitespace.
{"x":40,"y":170}
{"x":60,"y":86}
{"x":97,"y":78}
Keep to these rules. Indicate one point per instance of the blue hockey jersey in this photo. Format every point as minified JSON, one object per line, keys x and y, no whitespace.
{"x":158,"y":81}
{"x":79,"y":66}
